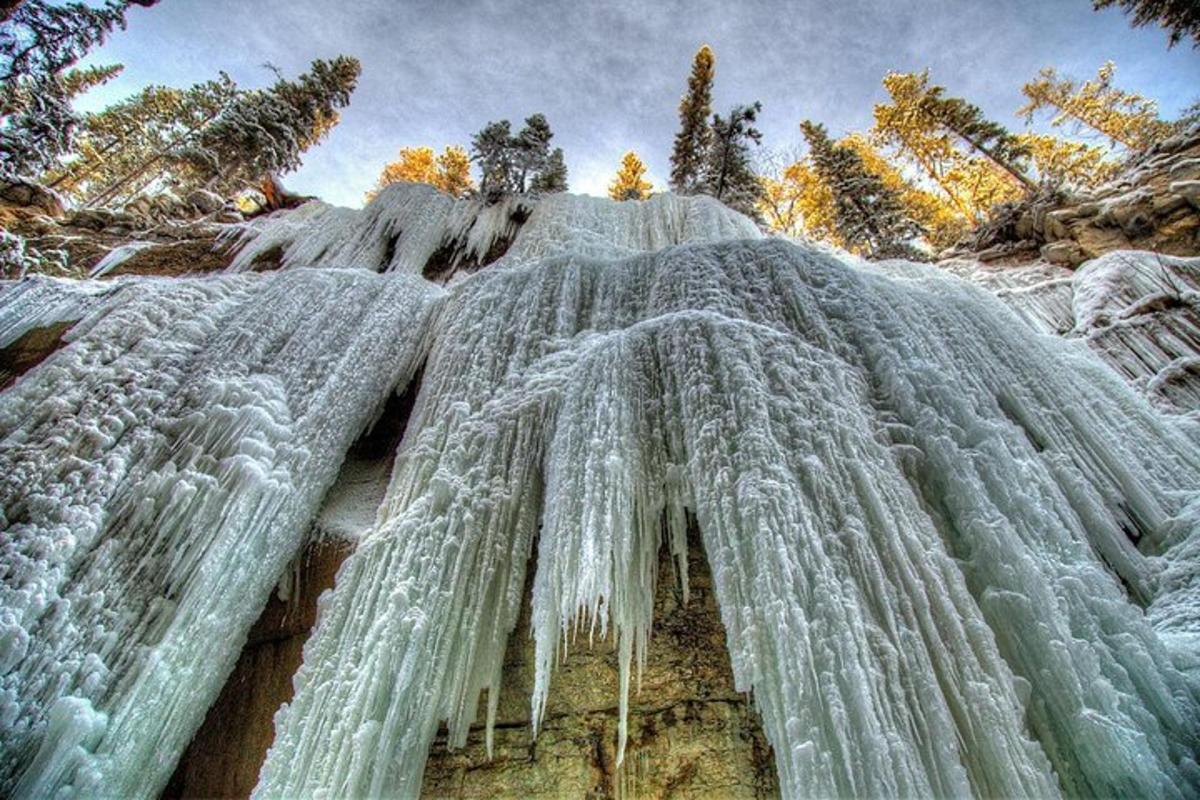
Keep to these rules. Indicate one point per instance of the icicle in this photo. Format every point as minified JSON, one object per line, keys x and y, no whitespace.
{"x":158,"y":475}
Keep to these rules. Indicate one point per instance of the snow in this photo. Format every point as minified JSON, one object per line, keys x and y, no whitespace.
{"x":953,"y":555}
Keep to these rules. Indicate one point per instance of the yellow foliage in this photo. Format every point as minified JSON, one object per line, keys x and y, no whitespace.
{"x":1062,"y":161}
{"x":799,"y":204}
{"x":972,"y":185}
{"x":630,"y":183}
{"x":450,"y":171}
{"x":1124,"y":117}
{"x":943,"y":224}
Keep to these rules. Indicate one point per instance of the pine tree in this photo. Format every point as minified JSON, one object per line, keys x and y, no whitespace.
{"x":553,"y":175}
{"x":1126,"y":118}
{"x":691,"y":142}
{"x":450,"y":171}
{"x":531,"y":149}
{"x":491,"y":149}
{"x":972,"y":184}
{"x":727,"y":174}
{"x":988,"y":138}
{"x":38,"y":43}
{"x":870,"y":217}
{"x":512,"y":164}
{"x":1180,"y":17}
{"x":630,"y":182}
{"x":265,"y":131}
{"x":124,"y":147}
{"x":941,"y":221}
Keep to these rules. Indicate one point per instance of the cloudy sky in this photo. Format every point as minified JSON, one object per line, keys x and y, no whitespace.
{"x":608,"y":75}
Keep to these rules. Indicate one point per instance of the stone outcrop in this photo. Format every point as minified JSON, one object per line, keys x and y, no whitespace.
{"x":1153,"y":205}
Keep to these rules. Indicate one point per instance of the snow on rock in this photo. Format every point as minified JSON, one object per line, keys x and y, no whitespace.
{"x":156,"y":476}
{"x":953,"y":556}
{"x":409,"y":225}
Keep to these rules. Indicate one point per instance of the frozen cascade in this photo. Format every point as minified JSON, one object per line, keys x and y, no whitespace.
{"x":953,"y":556}
{"x":933,"y":534}
{"x":1139,"y":311}
{"x":158,"y":474}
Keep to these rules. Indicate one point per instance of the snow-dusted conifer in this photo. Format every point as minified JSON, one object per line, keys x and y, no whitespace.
{"x":870,"y":217}
{"x":727,"y":173}
{"x":553,"y":176}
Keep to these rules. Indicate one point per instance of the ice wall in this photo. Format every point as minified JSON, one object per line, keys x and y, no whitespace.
{"x":1138,"y":311}
{"x":933,"y":534}
{"x":953,"y":556}
{"x":156,"y":476}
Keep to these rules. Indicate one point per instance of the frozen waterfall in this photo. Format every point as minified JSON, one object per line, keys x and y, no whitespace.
{"x":953,"y":556}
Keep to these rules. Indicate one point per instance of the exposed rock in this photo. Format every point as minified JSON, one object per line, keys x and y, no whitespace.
{"x":1067,"y":253}
{"x":205,"y":202}
{"x":1151,"y":205}
{"x":27,"y":194}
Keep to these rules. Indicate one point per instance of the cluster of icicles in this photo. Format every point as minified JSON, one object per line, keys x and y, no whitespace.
{"x":953,"y":556}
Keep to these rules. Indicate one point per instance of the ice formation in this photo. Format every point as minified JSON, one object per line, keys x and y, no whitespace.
{"x":156,"y":476}
{"x":953,"y":556}
{"x":1140,"y":312}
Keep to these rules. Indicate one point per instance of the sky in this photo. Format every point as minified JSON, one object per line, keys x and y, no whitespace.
{"x":609,"y":75}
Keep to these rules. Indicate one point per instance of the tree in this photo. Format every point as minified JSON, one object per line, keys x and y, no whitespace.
{"x":123,"y":148}
{"x":630,"y":182}
{"x":491,"y":149}
{"x":531,"y":148}
{"x":941,"y":221}
{"x":1180,"y":17}
{"x":553,"y":175}
{"x":691,"y":142}
{"x":511,"y":164}
{"x":38,"y":43}
{"x":727,"y":174}
{"x":264,"y":131}
{"x":1062,"y":162}
{"x":450,"y":171}
{"x":966,"y":122}
{"x":870,"y":218}
{"x":972,"y":184}
{"x":1124,"y":117}
{"x":796,"y":202}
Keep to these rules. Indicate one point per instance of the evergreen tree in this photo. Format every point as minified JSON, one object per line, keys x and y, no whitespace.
{"x":491,"y":149}
{"x":988,"y":138}
{"x":1126,"y":118}
{"x":265,"y":131}
{"x":870,"y":217}
{"x":38,"y":43}
{"x":1180,"y":17}
{"x":124,"y":147}
{"x":727,"y":173}
{"x":553,"y":175}
{"x":691,"y":142}
{"x":630,"y":182}
{"x":531,"y":149}
{"x":796,"y":202}
{"x":512,"y":164}
{"x":972,"y":184}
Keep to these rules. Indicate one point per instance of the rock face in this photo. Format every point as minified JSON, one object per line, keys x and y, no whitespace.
{"x":1154,"y":205}
{"x":690,"y":733}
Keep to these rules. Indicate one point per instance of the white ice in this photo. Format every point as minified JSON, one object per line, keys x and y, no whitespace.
{"x":954,"y":556}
